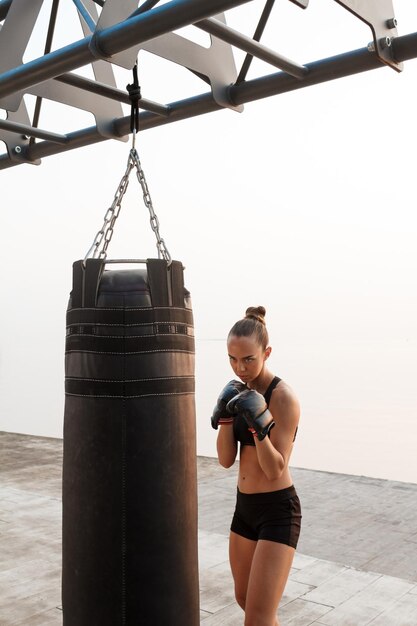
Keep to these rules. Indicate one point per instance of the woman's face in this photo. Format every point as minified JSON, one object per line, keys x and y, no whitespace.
{"x":246,"y":357}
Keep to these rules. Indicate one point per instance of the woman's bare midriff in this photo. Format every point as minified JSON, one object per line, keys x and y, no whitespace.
{"x":251,"y":477}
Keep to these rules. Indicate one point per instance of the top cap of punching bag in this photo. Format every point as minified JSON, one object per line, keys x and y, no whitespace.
{"x":159,"y":285}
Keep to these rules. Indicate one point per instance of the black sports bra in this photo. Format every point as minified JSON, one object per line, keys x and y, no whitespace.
{"x":240,"y":427}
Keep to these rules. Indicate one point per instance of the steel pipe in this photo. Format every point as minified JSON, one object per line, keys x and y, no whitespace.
{"x":30,"y":131}
{"x":339,"y":66}
{"x":50,"y":65}
{"x":110,"y":41}
{"x":166,"y":18}
{"x":110,"y":92}
{"x":247,"y":44}
{"x":149,"y":4}
{"x":346,"y":64}
{"x":405,"y":47}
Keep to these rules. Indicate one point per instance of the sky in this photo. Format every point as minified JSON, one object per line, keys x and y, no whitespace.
{"x":304,"y":203}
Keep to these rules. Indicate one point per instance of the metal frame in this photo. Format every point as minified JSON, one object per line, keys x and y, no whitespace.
{"x":117,"y":33}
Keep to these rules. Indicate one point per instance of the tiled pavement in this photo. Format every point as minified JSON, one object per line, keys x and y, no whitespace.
{"x":356,"y":563}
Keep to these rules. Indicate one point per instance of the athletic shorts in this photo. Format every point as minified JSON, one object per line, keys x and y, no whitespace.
{"x":275,"y":516}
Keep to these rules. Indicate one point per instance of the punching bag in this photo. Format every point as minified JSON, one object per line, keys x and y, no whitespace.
{"x":129,"y":471}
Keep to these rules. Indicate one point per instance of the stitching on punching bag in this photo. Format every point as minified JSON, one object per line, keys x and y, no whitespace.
{"x":133,"y":337}
{"x":144,"y":395}
{"x":136,"y":352}
{"x":124,"y":486}
{"x":134,"y":380}
{"x":127,"y":309}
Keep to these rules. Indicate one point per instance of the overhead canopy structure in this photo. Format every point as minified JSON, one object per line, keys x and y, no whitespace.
{"x":115,"y":31}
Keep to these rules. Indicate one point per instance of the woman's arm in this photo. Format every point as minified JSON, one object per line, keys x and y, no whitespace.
{"x":226,"y":446}
{"x":274,"y":451}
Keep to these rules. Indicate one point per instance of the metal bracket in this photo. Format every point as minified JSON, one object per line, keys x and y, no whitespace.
{"x":17,"y":142}
{"x":379,"y":15}
{"x":216,"y":62}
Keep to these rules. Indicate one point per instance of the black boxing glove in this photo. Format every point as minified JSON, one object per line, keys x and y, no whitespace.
{"x":252,"y":407}
{"x":220,"y":414}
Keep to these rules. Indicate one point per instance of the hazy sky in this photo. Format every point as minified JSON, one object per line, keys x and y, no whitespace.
{"x":304,"y":203}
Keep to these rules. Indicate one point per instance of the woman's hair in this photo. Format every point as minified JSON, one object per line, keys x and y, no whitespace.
{"x":252,"y":324}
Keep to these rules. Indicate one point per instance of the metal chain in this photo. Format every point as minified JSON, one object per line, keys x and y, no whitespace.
{"x":160,"y":243}
{"x":105,"y":234}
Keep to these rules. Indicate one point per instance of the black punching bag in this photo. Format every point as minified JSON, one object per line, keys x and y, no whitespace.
{"x":129,"y":470}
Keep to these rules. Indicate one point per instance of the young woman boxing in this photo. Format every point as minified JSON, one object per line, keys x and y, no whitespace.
{"x":261,"y":412}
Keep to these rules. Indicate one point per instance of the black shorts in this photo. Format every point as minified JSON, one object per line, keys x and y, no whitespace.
{"x":275,"y":516}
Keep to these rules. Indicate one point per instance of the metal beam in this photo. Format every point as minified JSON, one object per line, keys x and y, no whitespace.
{"x":405,"y":47}
{"x":149,"y":4}
{"x":247,"y":44}
{"x":104,"y":44}
{"x":30,"y":131}
{"x":340,"y":66}
{"x":110,"y":92}
{"x":347,"y":64}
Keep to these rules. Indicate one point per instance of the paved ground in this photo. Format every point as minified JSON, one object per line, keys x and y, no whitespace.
{"x":356,"y":563}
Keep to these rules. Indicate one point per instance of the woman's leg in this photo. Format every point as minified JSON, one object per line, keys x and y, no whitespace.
{"x":271,"y":564}
{"x":241,"y":552}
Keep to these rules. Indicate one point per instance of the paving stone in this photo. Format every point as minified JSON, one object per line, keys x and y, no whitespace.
{"x":302,"y":560}
{"x":213,"y":549}
{"x":318,"y":572}
{"x":402,"y":613}
{"x":204,"y":615}
{"x":301,"y":613}
{"x":216,"y":588}
{"x":14,"y":611}
{"x":37,"y":581}
{"x":369,"y":603}
{"x":52,"y":617}
{"x":394,"y":560}
{"x":339,"y":588}
{"x":230,"y":616}
{"x":294,"y":590}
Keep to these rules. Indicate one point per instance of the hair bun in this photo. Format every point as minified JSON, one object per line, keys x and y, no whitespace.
{"x":257,"y":313}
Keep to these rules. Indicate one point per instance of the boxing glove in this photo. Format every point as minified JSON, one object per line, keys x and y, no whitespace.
{"x":220,"y":414}
{"x":252,"y":407}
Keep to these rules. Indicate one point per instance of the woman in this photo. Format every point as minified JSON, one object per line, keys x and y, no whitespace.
{"x":262,"y":413}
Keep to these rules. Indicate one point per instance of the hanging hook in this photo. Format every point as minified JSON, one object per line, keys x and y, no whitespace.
{"x":134,"y":96}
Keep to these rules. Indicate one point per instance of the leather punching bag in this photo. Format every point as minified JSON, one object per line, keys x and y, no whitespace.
{"x":129,"y":470}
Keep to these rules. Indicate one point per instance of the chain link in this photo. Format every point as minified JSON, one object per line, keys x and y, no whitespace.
{"x":160,"y":243}
{"x":104,"y":235}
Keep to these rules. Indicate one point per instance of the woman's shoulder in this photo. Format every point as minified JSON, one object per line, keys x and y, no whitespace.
{"x":284,"y":397}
